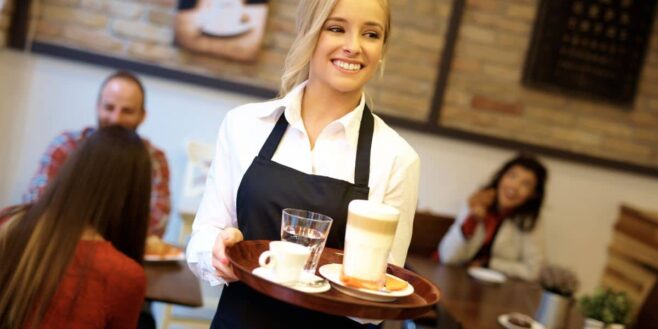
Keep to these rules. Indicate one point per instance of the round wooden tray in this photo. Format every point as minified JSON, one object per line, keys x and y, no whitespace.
{"x":244,"y":257}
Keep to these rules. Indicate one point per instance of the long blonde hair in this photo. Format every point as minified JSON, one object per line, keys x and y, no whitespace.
{"x":311,"y":15}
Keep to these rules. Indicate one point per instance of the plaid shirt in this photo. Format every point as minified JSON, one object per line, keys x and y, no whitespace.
{"x":64,"y":144}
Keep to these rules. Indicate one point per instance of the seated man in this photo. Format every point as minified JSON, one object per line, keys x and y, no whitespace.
{"x":120,"y":102}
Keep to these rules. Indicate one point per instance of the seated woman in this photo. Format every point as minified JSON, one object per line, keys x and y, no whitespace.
{"x":499,"y":228}
{"x":72,"y":259}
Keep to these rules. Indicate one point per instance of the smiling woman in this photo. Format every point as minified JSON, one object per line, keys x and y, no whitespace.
{"x":499,"y":228}
{"x":310,"y":149}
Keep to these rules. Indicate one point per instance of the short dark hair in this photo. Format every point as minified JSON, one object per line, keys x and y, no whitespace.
{"x":126,"y":76}
{"x":527,"y":214}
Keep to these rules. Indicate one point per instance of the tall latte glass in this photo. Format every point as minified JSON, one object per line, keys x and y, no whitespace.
{"x":368,"y":238}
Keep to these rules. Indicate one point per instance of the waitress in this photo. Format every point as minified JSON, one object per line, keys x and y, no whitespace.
{"x":316,"y":148}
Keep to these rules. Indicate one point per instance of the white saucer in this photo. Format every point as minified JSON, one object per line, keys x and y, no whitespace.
{"x":229,"y":32}
{"x":332,"y":273}
{"x":487,"y":275}
{"x":503,"y":320}
{"x":268,"y":275}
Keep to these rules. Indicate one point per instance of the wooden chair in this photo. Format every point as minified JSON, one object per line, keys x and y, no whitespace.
{"x":428,"y":230}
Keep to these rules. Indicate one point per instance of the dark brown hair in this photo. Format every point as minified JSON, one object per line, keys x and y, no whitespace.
{"x":104,"y":185}
{"x":527,"y":214}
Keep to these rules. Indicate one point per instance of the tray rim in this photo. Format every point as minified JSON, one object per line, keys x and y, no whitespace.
{"x":325,"y":302}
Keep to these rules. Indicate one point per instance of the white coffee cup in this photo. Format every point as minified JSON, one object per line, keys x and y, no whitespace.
{"x":224,"y":16}
{"x":285,"y":259}
{"x":369,"y":236}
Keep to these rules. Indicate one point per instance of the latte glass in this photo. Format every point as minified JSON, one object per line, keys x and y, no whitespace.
{"x":369,"y":236}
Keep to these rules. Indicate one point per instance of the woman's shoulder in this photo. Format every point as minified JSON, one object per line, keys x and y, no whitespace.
{"x":387,"y":139}
{"x":115,"y":262}
{"x":253,"y":110}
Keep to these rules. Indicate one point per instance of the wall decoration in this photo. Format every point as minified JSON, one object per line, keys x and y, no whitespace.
{"x":225,"y":28}
{"x":594,"y":47}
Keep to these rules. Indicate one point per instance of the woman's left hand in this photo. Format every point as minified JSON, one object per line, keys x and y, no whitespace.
{"x":226,"y":238}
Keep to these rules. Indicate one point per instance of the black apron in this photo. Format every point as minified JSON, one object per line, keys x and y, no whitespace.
{"x":266,"y":189}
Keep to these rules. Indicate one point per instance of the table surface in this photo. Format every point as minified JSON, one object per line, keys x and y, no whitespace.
{"x":172,"y":282}
{"x":477,"y":305}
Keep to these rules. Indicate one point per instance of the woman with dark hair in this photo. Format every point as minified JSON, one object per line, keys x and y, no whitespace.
{"x":499,"y":228}
{"x":72,"y":259}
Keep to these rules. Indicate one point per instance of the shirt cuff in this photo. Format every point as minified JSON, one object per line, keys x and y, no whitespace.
{"x":199,"y":256}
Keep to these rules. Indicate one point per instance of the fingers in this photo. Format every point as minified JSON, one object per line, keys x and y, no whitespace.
{"x":231,"y":236}
{"x":225,"y":238}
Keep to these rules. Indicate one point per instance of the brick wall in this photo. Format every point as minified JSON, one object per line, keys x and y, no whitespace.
{"x":484,"y":93}
{"x":5,"y":18}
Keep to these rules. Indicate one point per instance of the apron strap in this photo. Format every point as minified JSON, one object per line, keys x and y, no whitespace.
{"x":362,"y":166}
{"x":272,"y":142}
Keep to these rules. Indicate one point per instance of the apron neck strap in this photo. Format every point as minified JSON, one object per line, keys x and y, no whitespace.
{"x":362,"y":166}
{"x":272,"y":142}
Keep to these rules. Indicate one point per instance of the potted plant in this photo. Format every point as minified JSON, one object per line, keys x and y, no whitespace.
{"x":606,"y":308}
{"x":559,"y":285}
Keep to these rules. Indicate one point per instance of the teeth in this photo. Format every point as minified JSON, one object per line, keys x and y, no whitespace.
{"x":347,"y":66}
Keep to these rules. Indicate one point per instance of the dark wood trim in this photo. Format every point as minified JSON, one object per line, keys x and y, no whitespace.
{"x":519,"y":146}
{"x":425,"y":127}
{"x":150,"y":69}
{"x":18,"y":27}
{"x":446,"y":59}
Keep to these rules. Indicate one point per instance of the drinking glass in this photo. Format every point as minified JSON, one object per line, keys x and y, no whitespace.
{"x":309,"y":229}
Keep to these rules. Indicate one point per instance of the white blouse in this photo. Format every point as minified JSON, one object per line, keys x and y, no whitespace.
{"x":514,"y":252}
{"x":394,"y":169}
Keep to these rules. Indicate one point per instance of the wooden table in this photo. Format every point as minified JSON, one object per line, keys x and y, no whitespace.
{"x":477,"y":305}
{"x":172,"y":282}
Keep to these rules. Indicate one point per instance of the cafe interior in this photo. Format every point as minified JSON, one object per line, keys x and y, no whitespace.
{"x":469,"y":84}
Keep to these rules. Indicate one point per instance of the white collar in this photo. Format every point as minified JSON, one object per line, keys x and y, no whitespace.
{"x":292,"y":102}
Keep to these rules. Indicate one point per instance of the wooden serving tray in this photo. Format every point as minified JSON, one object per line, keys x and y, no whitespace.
{"x":244,"y":257}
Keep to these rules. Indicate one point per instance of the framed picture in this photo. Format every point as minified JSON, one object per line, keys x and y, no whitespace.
{"x":227,"y":29}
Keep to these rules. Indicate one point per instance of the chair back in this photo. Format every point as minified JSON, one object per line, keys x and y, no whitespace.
{"x":199,"y":157}
{"x":428,"y":229}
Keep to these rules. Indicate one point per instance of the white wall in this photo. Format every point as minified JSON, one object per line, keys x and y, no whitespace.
{"x":40,"y":96}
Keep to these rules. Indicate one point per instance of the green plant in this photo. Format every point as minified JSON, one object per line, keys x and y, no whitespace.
{"x":559,"y":280}
{"x":607,"y":306}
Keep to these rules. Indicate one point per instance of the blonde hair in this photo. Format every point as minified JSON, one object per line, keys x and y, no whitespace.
{"x":311,"y":15}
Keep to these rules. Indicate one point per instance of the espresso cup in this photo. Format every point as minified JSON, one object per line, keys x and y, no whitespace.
{"x":224,"y":15}
{"x":285,"y":259}
{"x":369,"y":236}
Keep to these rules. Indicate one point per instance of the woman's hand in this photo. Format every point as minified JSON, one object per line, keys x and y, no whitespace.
{"x":226,"y":238}
{"x":480,"y":201}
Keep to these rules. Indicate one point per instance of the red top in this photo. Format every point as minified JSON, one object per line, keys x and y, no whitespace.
{"x":102,"y":288}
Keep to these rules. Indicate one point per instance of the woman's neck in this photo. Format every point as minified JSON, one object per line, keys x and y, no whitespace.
{"x":322,"y":105}
{"x":91,"y":234}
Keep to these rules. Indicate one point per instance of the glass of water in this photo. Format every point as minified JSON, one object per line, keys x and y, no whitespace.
{"x":309,"y":229}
